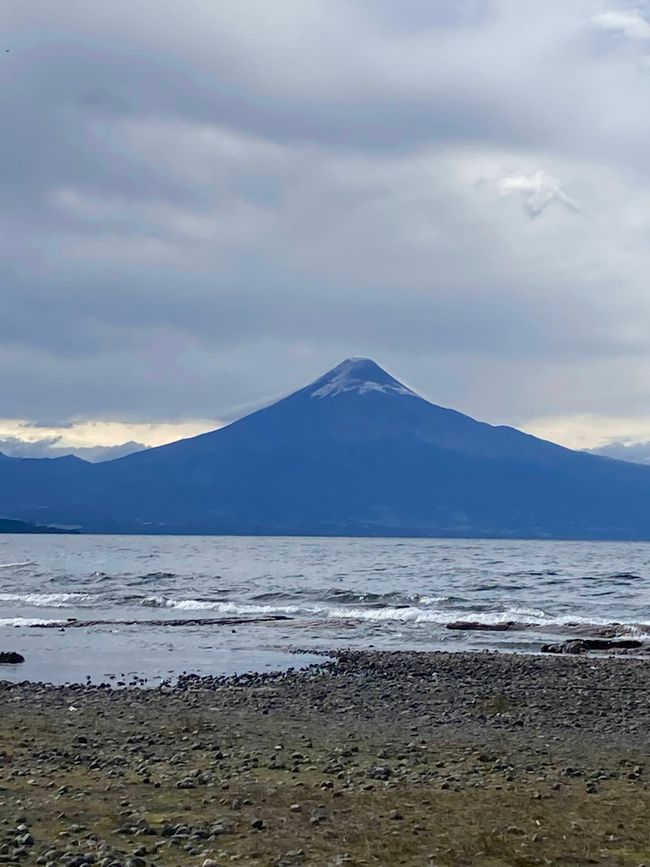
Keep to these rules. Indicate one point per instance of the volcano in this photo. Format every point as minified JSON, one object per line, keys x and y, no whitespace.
{"x":356,"y":452}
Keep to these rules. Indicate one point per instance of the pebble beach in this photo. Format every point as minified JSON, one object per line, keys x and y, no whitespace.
{"x":379,"y":758}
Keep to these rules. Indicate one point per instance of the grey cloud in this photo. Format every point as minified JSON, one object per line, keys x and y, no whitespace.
{"x":420,"y":16}
{"x":348,"y":84}
{"x":630,"y":23}
{"x":63,"y":425}
{"x":638,"y":453}
{"x":537,"y":192}
{"x":205,"y":203}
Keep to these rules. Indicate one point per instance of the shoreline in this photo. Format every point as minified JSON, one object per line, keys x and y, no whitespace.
{"x":96,"y":650}
{"x":322,"y":658}
{"x":373,"y":757}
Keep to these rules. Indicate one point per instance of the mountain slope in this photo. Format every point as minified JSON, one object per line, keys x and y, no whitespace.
{"x":355,"y":452}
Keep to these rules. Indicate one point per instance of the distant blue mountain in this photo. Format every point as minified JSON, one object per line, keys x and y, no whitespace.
{"x":354,"y":453}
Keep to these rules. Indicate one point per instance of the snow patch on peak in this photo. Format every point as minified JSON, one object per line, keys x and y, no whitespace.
{"x":360,"y":375}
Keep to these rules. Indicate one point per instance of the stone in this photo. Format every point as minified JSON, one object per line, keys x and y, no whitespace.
{"x":186,"y":784}
{"x":295,"y":856}
{"x":10,"y":657}
{"x":379,"y":772}
{"x":320,"y":814}
{"x":473,"y":625}
{"x":584,"y":645}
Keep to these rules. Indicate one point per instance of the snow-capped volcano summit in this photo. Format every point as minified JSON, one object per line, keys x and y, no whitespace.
{"x":360,"y":375}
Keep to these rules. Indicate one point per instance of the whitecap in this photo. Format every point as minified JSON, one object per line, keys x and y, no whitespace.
{"x":28,"y":621}
{"x":48,"y":600}
{"x":220,"y":607}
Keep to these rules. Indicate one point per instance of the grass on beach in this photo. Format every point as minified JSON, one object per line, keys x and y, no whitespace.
{"x":302,"y":771}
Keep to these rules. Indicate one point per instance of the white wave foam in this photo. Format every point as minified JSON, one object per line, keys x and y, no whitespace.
{"x":533,"y":616}
{"x":403,"y":614}
{"x":28,"y":621}
{"x":342,"y":613}
{"x":48,"y":600}
{"x":155,"y":602}
{"x":220,"y":607}
{"x":429,"y":600}
{"x":16,"y":565}
{"x":640,"y":630}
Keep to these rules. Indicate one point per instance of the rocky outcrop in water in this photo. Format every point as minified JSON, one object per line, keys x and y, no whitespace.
{"x":474,"y":625}
{"x":73,"y":623}
{"x":10,"y":657}
{"x":584,"y":645}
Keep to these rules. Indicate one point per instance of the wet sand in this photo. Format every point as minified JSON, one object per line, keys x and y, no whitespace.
{"x":375,"y":758}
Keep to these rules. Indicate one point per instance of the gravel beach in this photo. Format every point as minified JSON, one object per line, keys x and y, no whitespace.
{"x":372,"y":758}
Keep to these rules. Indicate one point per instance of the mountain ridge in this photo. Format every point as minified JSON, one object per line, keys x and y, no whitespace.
{"x":355,"y":452}
{"x":330,"y":384}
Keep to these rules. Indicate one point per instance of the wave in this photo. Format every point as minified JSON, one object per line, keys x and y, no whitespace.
{"x":28,"y":621}
{"x":49,"y":600}
{"x":372,"y":612}
{"x":618,"y":577}
{"x":624,"y":576}
{"x":354,"y":597}
{"x":423,"y":615}
{"x":17,"y":565}
{"x":220,"y":607}
{"x":386,"y":614}
{"x":384,"y":599}
{"x":531,"y":573}
{"x":414,"y":615}
{"x":157,"y":576}
{"x":636,"y":630}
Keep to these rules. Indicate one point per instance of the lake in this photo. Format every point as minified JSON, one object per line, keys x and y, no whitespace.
{"x":382,"y":593}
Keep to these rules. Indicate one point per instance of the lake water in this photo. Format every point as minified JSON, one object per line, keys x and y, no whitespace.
{"x":382,"y":593}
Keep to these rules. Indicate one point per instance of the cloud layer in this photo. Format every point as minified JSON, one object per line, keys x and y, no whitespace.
{"x":205,"y":203}
{"x":636,"y":453}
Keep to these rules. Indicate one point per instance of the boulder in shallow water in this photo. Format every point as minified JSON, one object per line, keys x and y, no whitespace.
{"x":10,"y":657}
{"x":584,"y":645}
{"x":469,"y":625}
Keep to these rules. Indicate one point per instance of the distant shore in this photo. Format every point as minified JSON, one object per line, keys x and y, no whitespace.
{"x":373,"y":758}
{"x":11,"y":526}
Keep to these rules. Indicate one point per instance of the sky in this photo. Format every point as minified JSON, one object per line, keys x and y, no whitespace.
{"x":207,"y":203}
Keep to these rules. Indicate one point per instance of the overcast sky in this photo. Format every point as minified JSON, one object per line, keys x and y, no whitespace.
{"x":205,"y":203}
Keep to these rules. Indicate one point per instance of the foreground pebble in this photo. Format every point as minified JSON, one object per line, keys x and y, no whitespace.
{"x":372,"y":758}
